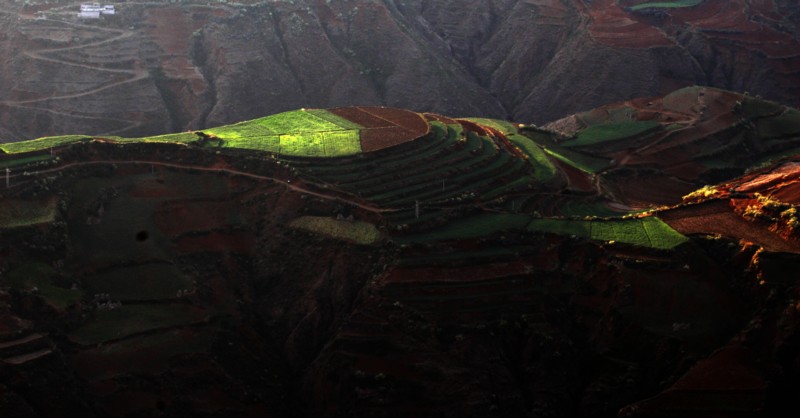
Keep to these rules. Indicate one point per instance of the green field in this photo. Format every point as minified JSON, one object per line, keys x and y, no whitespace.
{"x":180,"y":138}
{"x":302,"y":133}
{"x":41,"y":143}
{"x":543,"y":168}
{"x":666,"y":4}
{"x":363,"y":233}
{"x":576,"y":159}
{"x":614,"y":131}
{"x":17,"y":213}
{"x":646,"y":232}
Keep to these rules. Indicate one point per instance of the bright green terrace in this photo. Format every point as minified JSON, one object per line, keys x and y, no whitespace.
{"x":302,"y":133}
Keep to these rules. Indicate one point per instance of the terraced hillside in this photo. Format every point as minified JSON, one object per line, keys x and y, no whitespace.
{"x":634,"y":260}
{"x":171,"y":66}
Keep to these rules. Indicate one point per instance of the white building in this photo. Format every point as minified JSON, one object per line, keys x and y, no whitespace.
{"x":94,"y":10}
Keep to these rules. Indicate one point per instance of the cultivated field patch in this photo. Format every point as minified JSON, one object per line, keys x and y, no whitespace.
{"x":358,"y":232}
{"x":17,"y":213}
{"x":646,"y":232}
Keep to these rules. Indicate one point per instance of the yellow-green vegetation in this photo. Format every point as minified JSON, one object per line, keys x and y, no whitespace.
{"x":39,"y":278}
{"x":41,"y":143}
{"x":128,"y":320}
{"x":181,"y":138}
{"x":614,"y":131}
{"x":303,"y":133}
{"x":646,"y":232}
{"x":17,"y":213}
{"x":705,"y":192}
{"x":666,"y":4}
{"x":358,"y":232}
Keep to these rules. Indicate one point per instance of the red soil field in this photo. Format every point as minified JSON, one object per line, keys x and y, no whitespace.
{"x":576,"y":178}
{"x":729,"y":380}
{"x":644,"y":192}
{"x":406,"y":119}
{"x":781,"y":182}
{"x":385,"y":126}
{"x":381,"y":138}
{"x":355,"y":114}
{"x":716,"y":217}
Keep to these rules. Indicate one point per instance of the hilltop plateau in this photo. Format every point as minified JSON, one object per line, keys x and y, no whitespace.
{"x":635,"y":260}
{"x":159,"y":67}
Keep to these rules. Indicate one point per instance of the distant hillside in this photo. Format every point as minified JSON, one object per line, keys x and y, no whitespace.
{"x":159,"y":67}
{"x":636,"y":260}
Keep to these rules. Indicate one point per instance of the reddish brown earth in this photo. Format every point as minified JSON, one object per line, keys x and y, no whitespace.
{"x":386,"y":127}
{"x":165,"y":67}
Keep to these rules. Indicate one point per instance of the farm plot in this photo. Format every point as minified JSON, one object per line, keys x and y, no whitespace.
{"x":646,"y":232}
{"x":303,"y":133}
{"x":18,"y":213}
{"x":543,"y":168}
{"x":614,"y":131}
{"x":41,"y":143}
{"x":358,"y":232}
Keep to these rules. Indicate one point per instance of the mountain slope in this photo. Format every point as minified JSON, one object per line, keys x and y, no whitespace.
{"x":155,"y":68}
{"x":374,"y":261}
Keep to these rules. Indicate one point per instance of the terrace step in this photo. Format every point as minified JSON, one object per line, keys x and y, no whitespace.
{"x":25,"y":358}
{"x":24,"y":349}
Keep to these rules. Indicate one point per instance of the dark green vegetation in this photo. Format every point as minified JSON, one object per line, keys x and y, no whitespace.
{"x":666,"y":4}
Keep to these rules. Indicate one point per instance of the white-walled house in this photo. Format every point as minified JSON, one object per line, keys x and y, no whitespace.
{"x":94,"y":10}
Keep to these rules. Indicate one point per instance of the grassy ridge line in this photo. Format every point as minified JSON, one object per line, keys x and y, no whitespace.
{"x":543,"y":168}
{"x":41,"y":143}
